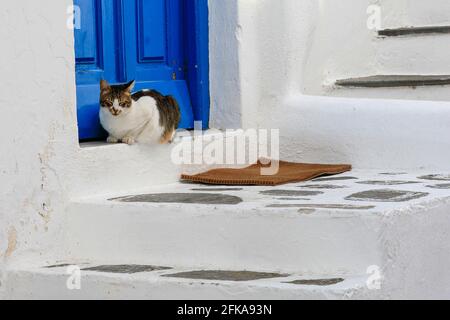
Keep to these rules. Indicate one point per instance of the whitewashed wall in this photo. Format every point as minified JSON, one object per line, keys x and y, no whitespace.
{"x":258,"y":58}
{"x":38,"y":136}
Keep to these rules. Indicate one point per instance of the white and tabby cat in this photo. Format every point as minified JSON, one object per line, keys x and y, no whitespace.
{"x":145,"y":116}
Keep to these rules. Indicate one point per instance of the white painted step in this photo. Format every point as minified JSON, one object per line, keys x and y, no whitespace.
{"x":405,"y":56}
{"x":413,"y":55}
{"x":415,"y":13}
{"x":44,"y":283}
{"x":110,"y":168}
{"x":309,"y":228}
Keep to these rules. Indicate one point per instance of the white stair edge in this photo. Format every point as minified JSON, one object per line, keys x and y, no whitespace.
{"x":39,"y":283}
{"x":250,"y":235}
{"x":222,"y":238}
{"x":108,"y":168}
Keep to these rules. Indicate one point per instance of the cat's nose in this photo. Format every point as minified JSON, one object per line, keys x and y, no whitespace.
{"x":115,"y":112}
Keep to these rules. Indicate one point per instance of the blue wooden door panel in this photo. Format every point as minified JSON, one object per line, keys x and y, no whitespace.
{"x":152,"y":19}
{"x":157,"y":44}
{"x":154,"y":43}
{"x":87,"y":35}
{"x":94,"y":41}
{"x":122,"y":40}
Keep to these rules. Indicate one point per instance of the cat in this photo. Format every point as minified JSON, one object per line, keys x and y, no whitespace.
{"x":145,"y":116}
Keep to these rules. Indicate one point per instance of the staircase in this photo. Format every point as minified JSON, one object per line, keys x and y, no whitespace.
{"x":407,"y":58}
{"x":362,"y":235}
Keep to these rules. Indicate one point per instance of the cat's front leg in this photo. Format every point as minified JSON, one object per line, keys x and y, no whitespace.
{"x":129,"y":140}
{"x":112,"y":139}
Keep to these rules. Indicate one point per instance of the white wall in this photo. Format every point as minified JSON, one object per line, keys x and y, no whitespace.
{"x":270,"y":40}
{"x":224,"y":65}
{"x":38,"y":136}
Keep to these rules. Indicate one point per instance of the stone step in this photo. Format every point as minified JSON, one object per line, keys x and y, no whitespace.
{"x":106,"y":168}
{"x":157,"y":283}
{"x":391,"y":81}
{"x":411,"y":31}
{"x":341,"y":224}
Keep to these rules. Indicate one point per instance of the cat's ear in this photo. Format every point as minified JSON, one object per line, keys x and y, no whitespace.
{"x":130,"y":86}
{"x":104,"y":85}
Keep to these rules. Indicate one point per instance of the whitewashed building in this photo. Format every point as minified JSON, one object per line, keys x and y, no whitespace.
{"x":364,"y":82}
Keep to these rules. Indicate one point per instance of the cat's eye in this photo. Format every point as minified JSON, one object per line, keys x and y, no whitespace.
{"x":107,"y":104}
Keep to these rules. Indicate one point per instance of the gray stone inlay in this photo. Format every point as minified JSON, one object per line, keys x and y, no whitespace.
{"x":58,"y":266}
{"x":293,"y":199}
{"x":226,"y":275}
{"x":386,"y":195}
{"x":317,"y":282}
{"x":290,"y":193}
{"x":334,"y":179}
{"x":436,"y":177}
{"x":217,"y":189}
{"x":406,"y":31}
{"x":444,"y":186}
{"x":391,"y":81}
{"x":393,"y":173}
{"x":387,"y":183}
{"x":322,"y":206}
{"x":306,"y":211}
{"x":191,"y":198}
{"x":126,"y":269}
{"x":322,"y":186}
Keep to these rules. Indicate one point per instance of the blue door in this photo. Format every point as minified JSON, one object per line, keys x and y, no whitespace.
{"x":144,"y":40}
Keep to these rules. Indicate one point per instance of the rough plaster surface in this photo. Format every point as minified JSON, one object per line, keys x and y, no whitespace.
{"x":225,"y":82}
{"x":37,"y":126}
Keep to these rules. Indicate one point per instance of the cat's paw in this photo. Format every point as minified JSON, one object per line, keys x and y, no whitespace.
{"x":129,"y":140}
{"x":112,"y":140}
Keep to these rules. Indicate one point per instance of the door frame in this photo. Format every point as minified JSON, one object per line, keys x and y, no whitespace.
{"x":197,"y":57}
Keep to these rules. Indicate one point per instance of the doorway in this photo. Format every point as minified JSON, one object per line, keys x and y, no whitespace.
{"x":161,"y":44}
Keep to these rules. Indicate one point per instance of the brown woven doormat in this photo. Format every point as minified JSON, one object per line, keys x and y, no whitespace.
{"x":288,"y":172}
